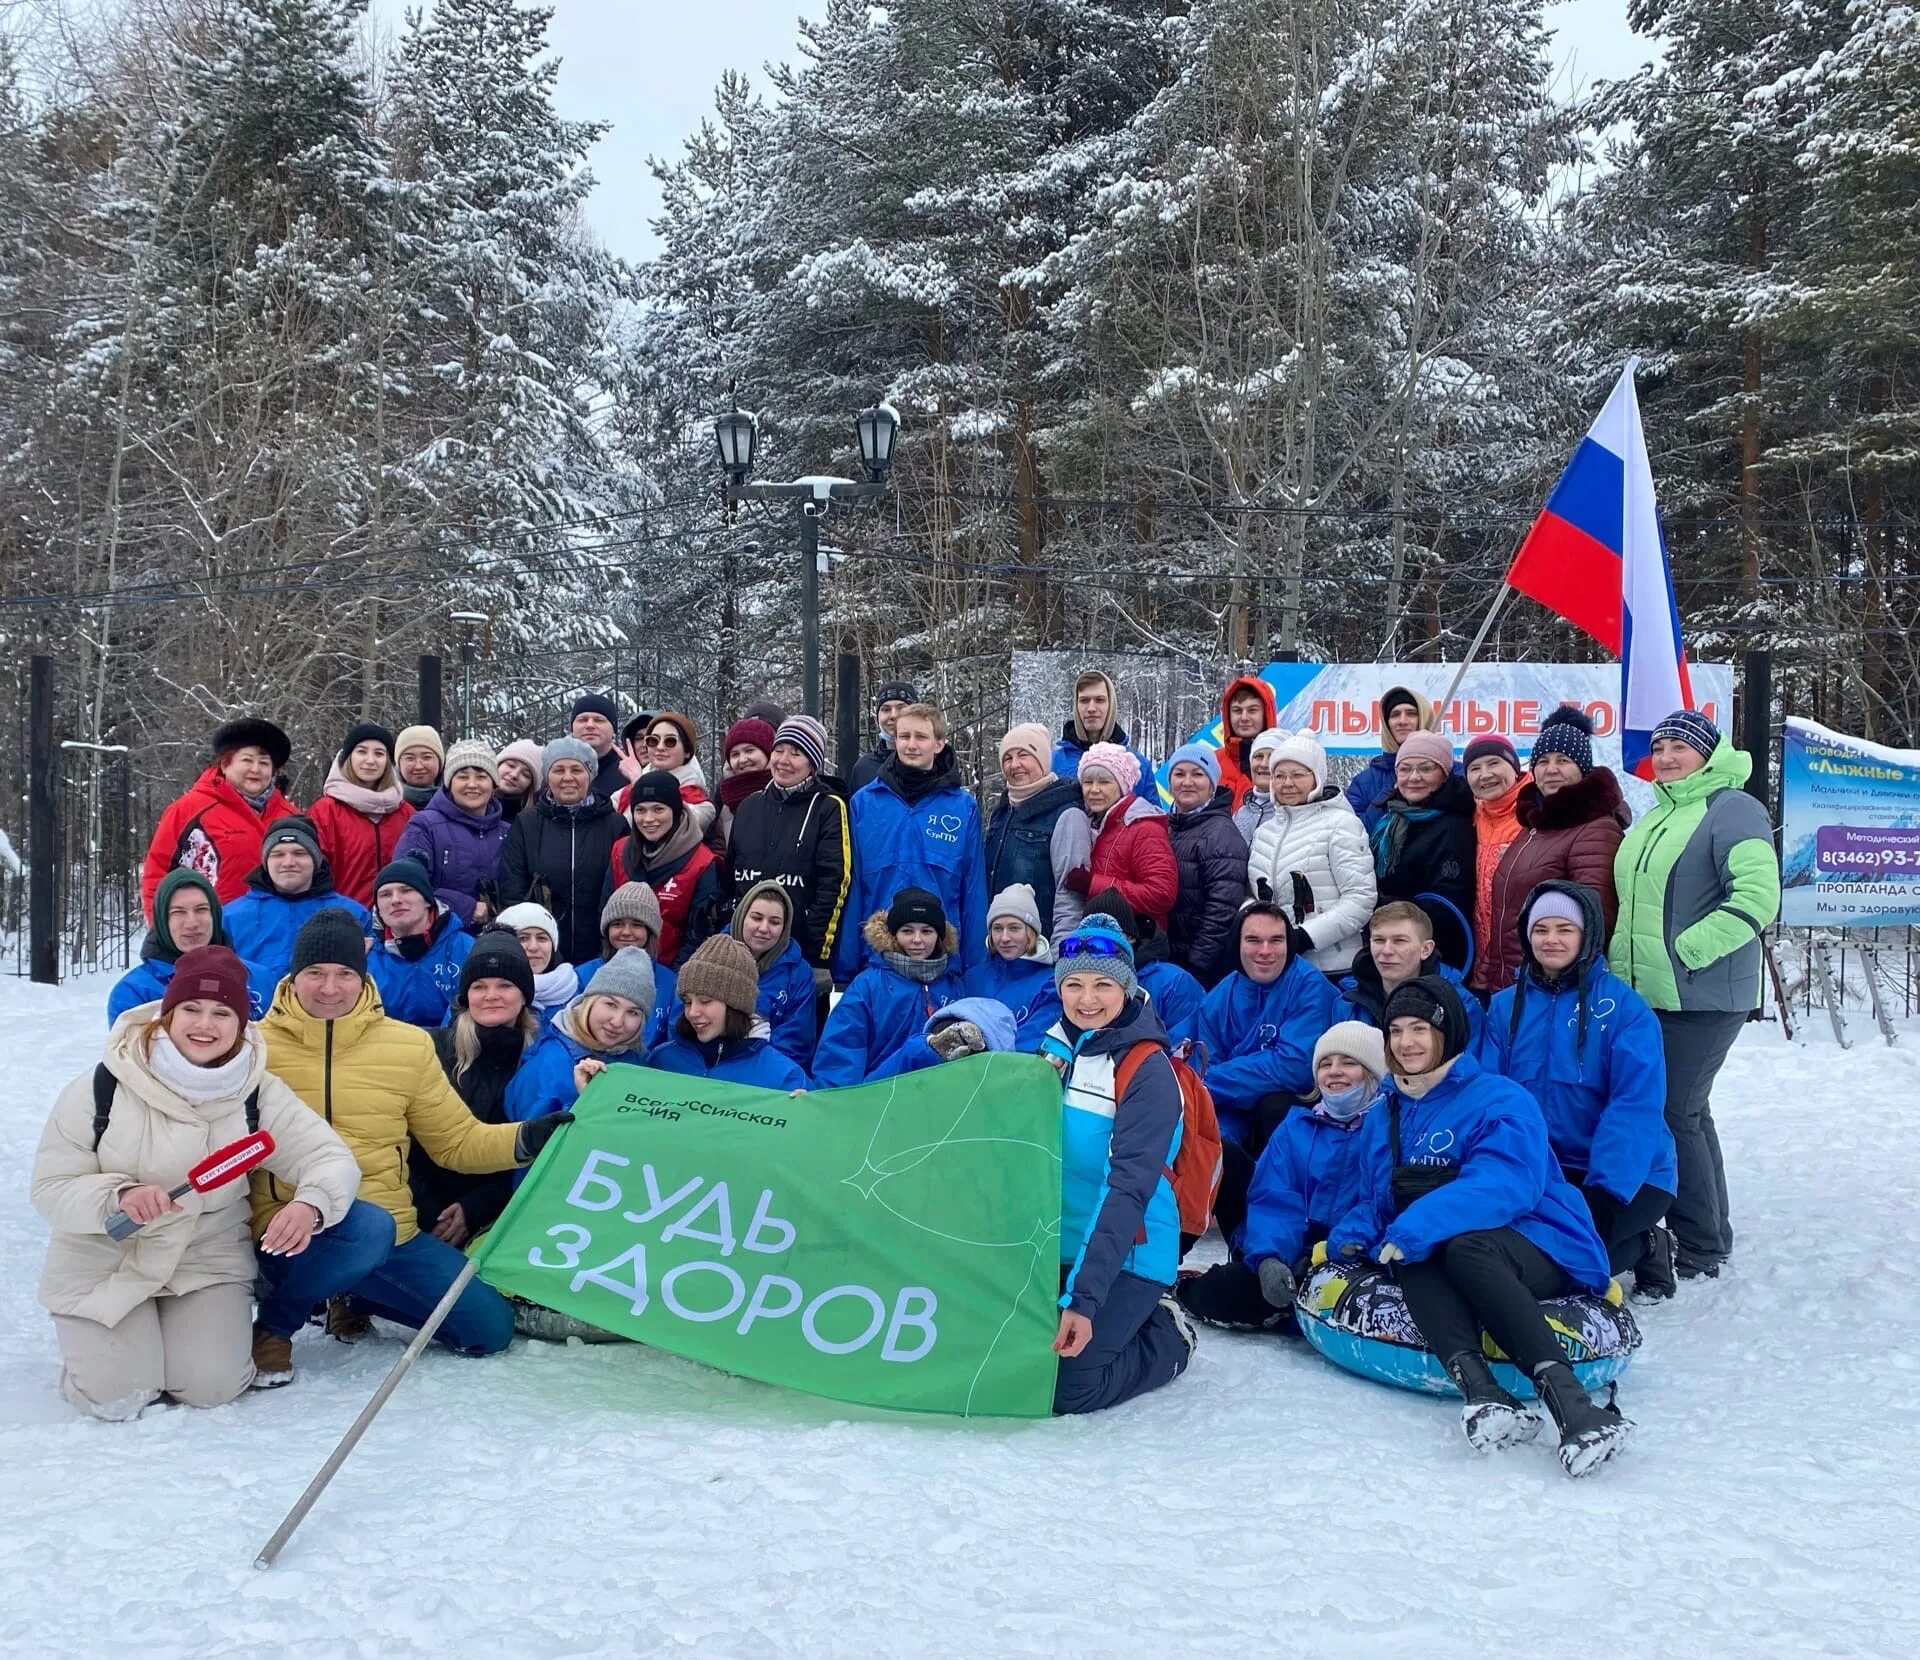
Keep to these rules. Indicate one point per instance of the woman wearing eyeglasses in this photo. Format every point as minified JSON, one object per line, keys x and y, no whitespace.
{"x":1121,"y":1333}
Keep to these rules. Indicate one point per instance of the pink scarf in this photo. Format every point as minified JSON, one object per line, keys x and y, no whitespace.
{"x":373,"y":804}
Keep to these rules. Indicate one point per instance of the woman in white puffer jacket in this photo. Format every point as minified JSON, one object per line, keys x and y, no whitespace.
{"x":1314,"y":833}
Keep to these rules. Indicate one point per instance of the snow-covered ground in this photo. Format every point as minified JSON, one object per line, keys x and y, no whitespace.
{"x":613,"y":1501}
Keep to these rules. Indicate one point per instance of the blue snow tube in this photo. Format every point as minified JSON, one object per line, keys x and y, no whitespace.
{"x":1357,"y":1317}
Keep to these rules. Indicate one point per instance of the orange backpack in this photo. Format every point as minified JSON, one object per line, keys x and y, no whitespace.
{"x":1195,"y":1171}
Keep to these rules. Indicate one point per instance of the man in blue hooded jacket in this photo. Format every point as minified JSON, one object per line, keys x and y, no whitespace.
{"x":1587,"y":1047}
{"x":292,"y":882}
{"x":422,"y":948}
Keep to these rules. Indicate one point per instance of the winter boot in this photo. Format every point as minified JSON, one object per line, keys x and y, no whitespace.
{"x":1181,"y":1324}
{"x":345,"y":1323}
{"x":1589,"y":1434}
{"x":272,"y":1359}
{"x":1653,"y":1278}
{"x":1491,"y":1418}
{"x":1228,"y":1295}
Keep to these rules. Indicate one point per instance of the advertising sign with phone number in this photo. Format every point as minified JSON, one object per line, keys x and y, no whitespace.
{"x":1850,"y":832}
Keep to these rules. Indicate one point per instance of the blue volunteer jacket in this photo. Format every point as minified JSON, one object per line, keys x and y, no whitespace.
{"x":1491,"y":1130}
{"x":875,"y":1016}
{"x":666,"y":1008}
{"x":1260,"y":1038}
{"x":1118,"y":1213}
{"x":544,"y":1082}
{"x":786,"y":1003}
{"x":1025,"y":988}
{"x":421,"y":992}
{"x":1306,"y":1180}
{"x":988,"y":1013}
{"x":1177,"y":997}
{"x":261,"y":924}
{"x":752,"y":1061}
{"x":1590,"y":1054}
{"x":147,"y":982}
{"x":934,"y":844}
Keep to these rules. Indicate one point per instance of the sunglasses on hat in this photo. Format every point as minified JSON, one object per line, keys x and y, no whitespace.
{"x":1091,"y":945}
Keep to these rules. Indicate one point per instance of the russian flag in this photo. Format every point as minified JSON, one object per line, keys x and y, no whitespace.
{"x":1597,"y":557}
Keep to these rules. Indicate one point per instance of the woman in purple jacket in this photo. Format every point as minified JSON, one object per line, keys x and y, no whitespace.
{"x":459,"y":833}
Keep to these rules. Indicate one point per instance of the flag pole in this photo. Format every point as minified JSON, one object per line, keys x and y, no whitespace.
{"x":1493,"y":611}
{"x":351,"y":1439}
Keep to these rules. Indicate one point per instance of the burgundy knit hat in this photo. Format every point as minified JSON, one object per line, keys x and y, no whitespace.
{"x":1492,"y":744}
{"x":750,"y":729}
{"x":210,"y":972}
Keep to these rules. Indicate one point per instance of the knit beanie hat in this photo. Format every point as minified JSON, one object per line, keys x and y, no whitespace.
{"x":631,"y":902}
{"x":1426,"y":746}
{"x":330,"y":936}
{"x":894,"y":691}
{"x":496,"y":955}
{"x":721,"y":968}
{"x":529,"y":915}
{"x":594,"y":703}
{"x":1121,"y":765}
{"x":567,"y":749}
{"x":1692,"y":729}
{"x":367,"y":732}
{"x":916,"y":905}
{"x":1019,"y":901}
{"x":211,"y":972}
{"x":527,"y":753}
{"x":748,"y":730}
{"x":1267,"y":742}
{"x":1397,"y":697}
{"x":764,"y":709}
{"x":419,"y":737}
{"x":1095,"y":946}
{"x":1434,"y":1000}
{"x":470,"y":752}
{"x":1555,"y":902}
{"x":1198,"y":755}
{"x":806,"y":735}
{"x":1112,"y":905}
{"x":1492,"y":744}
{"x":411,"y":873}
{"x":296,"y":828}
{"x":660,"y":788}
{"x":1356,"y":1038}
{"x":627,"y":973}
{"x":250,"y":732}
{"x":170,"y":884}
{"x":1031,"y":736}
{"x":1568,"y":732}
{"x":1302,"y":748}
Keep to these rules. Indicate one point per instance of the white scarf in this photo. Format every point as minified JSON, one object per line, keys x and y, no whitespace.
{"x":555,"y":987}
{"x":200,"y":1084}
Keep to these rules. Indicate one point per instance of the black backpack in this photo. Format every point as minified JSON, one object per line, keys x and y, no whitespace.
{"x":104,"y":1084}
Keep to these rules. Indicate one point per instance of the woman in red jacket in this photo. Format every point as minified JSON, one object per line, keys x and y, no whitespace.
{"x":361,"y":813}
{"x":1131,"y":853}
{"x":216,"y":827}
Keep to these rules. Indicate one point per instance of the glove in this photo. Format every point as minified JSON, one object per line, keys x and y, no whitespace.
{"x":1352,"y":1248}
{"x":1276,"y":1283}
{"x":1319,"y":1257}
{"x":1302,"y":896}
{"x":962,"y":1037}
{"x":1299,"y":941}
{"x":1079,"y":880}
{"x":1389,"y":1254}
{"x":536,"y":1133}
{"x":822,"y":984}
{"x":1605,"y":1210}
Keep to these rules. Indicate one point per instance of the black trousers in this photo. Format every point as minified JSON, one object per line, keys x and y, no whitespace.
{"x":1626,"y":1237}
{"x":1135,"y":1347}
{"x":1696,"y":1044}
{"x":1491,"y":1282}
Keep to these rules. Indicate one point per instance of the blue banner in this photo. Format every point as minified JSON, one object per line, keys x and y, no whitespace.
{"x":1849,"y":831}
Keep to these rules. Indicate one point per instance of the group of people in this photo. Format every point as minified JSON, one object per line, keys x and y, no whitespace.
{"x":1457,"y":1021}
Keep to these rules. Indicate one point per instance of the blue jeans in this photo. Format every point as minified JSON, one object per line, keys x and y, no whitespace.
{"x":402,"y":1283}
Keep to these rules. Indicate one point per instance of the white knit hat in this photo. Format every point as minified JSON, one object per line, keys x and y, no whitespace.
{"x":1353,"y":1037}
{"x":1303,"y":749}
{"x":1268,"y":741}
{"x":529,"y":915}
{"x":1018,"y":901}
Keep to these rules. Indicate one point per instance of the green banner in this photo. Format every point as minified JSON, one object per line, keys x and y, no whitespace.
{"x":895,"y":1244}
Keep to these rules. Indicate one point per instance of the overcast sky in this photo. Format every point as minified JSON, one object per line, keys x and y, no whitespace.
{"x":649,"y":67}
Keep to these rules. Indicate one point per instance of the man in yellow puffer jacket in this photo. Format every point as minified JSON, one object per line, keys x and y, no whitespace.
{"x":377,"y":1082}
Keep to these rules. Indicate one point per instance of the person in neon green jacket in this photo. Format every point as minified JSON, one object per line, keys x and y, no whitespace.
{"x":1699,"y":881}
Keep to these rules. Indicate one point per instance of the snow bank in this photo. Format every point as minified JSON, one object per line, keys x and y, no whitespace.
{"x":613,"y":1501}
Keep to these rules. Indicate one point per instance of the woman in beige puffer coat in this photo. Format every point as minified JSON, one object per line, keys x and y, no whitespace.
{"x":169,"y":1309}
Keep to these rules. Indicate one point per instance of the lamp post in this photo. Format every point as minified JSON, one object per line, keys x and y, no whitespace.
{"x":469,"y":623}
{"x":737,"y":432}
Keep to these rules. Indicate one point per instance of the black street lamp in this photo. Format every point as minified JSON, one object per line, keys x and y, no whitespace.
{"x":737,"y":432}
{"x":470,"y":623}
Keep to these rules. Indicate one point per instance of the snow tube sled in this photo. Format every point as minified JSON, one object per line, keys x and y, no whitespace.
{"x":1357,"y":1317}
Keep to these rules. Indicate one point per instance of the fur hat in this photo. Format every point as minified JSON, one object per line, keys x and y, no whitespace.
{"x":721,"y":968}
{"x":1121,"y":765}
{"x":1095,"y":946}
{"x":330,"y":936}
{"x":419,"y":737}
{"x":627,"y":973}
{"x":748,"y":730}
{"x":250,"y":732}
{"x":211,"y":972}
{"x":496,"y":955}
{"x":808,"y":736}
{"x":367,"y":732}
{"x":1356,"y":1038}
{"x":632,"y":902}
{"x":1199,"y":755}
{"x":567,"y":749}
{"x":470,"y":752}
{"x":1426,"y":746}
{"x":1568,"y":731}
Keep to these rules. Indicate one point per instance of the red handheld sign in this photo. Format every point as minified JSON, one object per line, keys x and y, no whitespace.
{"x":229,"y":1163}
